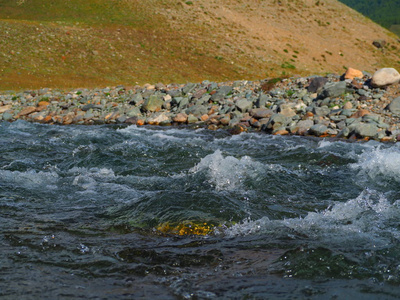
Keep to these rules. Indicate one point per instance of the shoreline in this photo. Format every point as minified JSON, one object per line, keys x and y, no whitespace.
{"x":333,"y":106}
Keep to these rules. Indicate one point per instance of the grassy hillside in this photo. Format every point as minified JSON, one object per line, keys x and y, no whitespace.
{"x":386,"y":13}
{"x":91,"y":43}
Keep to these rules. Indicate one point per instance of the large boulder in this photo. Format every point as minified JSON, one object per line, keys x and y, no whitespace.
{"x":384,"y":77}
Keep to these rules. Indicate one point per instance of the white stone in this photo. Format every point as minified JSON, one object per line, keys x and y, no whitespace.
{"x":384,"y":77}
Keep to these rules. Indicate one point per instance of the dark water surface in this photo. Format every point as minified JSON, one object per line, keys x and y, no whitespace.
{"x":295,"y":218}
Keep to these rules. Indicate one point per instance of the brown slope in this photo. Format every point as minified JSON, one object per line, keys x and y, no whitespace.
{"x":326,"y":34}
{"x":183,"y":41}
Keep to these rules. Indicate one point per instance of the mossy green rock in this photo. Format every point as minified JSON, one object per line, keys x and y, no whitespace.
{"x":153,"y":103}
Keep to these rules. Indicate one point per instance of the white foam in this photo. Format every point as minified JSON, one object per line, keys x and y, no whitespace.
{"x":226,"y":173}
{"x":30,"y":178}
{"x":87,"y":179}
{"x":161,"y":135}
{"x":133,"y":129}
{"x":364,"y":220}
{"x":379,"y":162}
{"x":93,"y":172}
{"x":324,"y":143}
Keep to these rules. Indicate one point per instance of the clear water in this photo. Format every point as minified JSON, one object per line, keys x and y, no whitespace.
{"x":294,"y":217}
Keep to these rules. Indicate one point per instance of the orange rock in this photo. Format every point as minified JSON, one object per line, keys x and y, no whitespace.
{"x":204,"y":118}
{"x":43,"y":103}
{"x":353,"y":73}
{"x":360,"y":113}
{"x":212,"y":110}
{"x":48,"y":119}
{"x":308,"y":115}
{"x":140,"y":122}
{"x":281,"y":132}
{"x":108,"y":116}
{"x":387,"y":139}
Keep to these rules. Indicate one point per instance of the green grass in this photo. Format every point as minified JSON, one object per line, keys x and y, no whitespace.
{"x":287,"y":65}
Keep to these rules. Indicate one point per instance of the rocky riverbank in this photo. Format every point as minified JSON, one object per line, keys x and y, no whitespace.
{"x":355,"y":105}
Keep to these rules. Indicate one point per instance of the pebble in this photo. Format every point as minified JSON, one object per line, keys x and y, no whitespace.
{"x":354,"y":105}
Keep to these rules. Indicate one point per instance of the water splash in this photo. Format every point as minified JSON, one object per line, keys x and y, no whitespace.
{"x":30,"y":178}
{"x":379,"y":164}
{"x":366,"y":221}
{"x":227,"y":173}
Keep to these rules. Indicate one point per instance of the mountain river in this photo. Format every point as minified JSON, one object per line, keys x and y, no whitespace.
{"x":113,"y":212}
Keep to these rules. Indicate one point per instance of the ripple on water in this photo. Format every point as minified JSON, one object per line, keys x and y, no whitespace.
{"x":291,"y":206}
{"x":363,"y":222}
